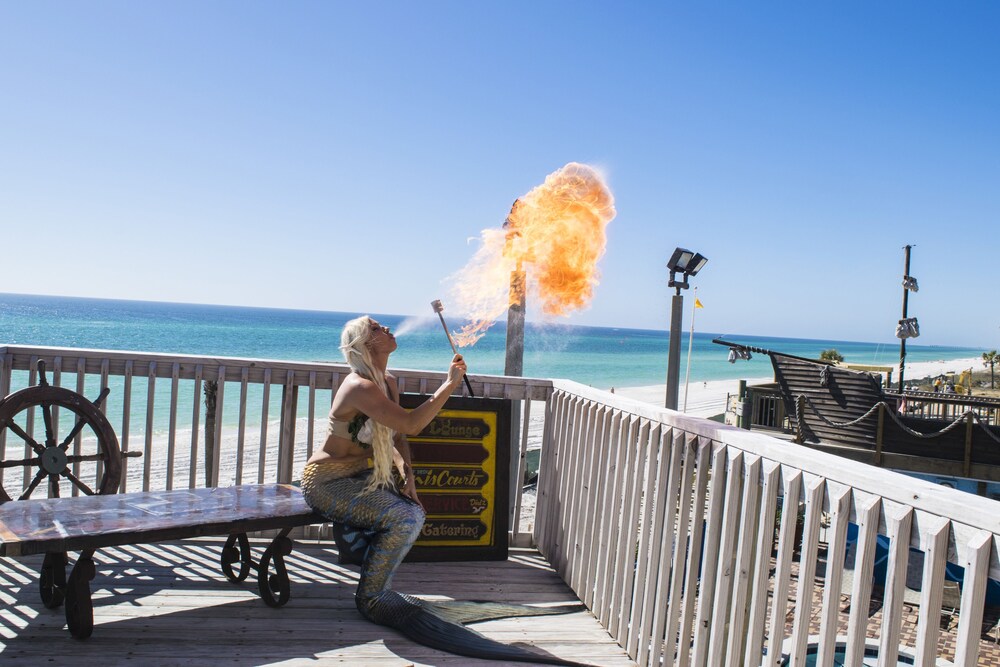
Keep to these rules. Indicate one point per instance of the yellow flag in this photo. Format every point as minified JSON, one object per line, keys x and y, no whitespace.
{"x":697,"y":304}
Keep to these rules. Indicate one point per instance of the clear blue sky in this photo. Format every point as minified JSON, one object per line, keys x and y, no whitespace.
{"x":339,"y":155}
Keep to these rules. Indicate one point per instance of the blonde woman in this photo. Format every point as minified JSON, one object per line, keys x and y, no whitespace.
{"x":362,"y":481}
{"x":361,"y":478}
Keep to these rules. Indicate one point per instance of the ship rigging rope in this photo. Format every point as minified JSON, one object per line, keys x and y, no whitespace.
{"x":895,"y":417}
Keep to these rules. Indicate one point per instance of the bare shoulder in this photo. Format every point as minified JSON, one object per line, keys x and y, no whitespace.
{"x":353,"y":381}
{"x":354,"y":386}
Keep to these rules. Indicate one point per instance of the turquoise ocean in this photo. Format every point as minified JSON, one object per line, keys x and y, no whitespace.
{"x":599,"y":356}
{"x":602,"y":357}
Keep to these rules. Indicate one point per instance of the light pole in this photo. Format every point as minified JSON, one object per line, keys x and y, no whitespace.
{"x":687,"y":264}
{"x":907,"y":327}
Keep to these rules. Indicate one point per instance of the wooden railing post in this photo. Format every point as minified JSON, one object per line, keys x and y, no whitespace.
{"x":286,"y":435}
{"x":220,"y":394}
{"x":744,"y":418}
{"x":967,"y":462}
{"x":515,"y":458}
{"x":6,"y":368}
{"x":800,"y":409}
{"x":211,"y":389}
{"x":879,"y":434}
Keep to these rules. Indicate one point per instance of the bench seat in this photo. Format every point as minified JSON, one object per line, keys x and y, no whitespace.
{"x":55,"y":526}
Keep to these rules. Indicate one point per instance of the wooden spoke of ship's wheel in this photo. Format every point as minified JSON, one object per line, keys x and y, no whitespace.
{"x":24,"y":436}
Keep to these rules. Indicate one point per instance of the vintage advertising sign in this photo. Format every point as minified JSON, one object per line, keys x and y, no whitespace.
{"x":461,"y":466}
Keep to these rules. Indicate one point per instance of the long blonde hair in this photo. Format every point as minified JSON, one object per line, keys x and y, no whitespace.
{"x":354,"y":344}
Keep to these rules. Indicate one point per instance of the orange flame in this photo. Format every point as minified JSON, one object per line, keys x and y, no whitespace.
{"x":555,"y":235}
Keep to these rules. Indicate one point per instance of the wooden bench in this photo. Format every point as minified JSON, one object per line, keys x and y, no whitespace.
{"x":55,"y":526}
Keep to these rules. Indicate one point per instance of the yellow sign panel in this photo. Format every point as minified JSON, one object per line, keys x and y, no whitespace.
{"x":460,"y":464}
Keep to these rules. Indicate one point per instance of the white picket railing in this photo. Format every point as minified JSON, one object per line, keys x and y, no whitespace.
{"x":156,"y":407}
{"x":665,"y":526}
{"x":671,"y":529}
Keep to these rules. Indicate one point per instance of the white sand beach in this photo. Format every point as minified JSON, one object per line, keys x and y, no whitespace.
{"x":706,"y":399}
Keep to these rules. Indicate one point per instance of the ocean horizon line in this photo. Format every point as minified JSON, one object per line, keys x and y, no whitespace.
{"x":601,"y":357}
{"x":433,"y":322}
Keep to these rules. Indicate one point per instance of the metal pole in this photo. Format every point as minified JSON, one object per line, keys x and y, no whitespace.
{"x":906,"y":296}
{"x":674,"y":355}
{"x":687,"y":374}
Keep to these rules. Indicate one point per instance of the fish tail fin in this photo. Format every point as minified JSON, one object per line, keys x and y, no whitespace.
{"x":462,"y":611}
{"x":438,"y":625}
{"x":429,"y":629}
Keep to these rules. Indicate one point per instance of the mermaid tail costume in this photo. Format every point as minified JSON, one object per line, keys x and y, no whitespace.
{"x":375,"y":529}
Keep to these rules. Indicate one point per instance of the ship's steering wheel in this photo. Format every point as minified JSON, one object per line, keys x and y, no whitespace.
{"x":85,"y":458}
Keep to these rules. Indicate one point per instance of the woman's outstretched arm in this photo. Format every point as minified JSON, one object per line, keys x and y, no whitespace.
{"x":365,"y":396}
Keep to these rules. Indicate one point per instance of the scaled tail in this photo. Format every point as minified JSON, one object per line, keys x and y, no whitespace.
{"x":440,"y":625}
{"x":475,"y":612}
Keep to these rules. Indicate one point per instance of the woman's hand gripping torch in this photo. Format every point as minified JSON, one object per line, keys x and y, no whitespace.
{"x":439,"y":308}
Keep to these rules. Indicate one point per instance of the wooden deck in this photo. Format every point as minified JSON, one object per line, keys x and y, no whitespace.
{"x":169,"y":604}
{"x":620,"y":486}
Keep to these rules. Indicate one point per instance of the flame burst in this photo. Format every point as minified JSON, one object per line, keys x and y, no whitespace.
{"x":555,"y":235}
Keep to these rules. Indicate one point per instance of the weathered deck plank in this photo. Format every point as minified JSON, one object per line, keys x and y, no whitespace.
{"x":169,"y":604}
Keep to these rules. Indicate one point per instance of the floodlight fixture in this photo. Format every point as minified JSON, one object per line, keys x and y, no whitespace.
{"x":696,"y":264}
{"x":679,"y":260}
{"x":686,"y":263}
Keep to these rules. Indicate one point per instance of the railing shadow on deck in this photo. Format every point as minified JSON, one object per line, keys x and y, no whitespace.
{"x":671,"y":529}
{"x":168,"y":603}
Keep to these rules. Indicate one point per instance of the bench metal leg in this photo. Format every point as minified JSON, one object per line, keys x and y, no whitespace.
{"x":275,"y":589}
{"x":79,"y":607}
{"x":52,"y":579}
{"x":236,"y":554}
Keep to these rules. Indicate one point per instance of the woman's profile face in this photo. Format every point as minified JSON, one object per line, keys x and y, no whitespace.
{"x":380,"y":339}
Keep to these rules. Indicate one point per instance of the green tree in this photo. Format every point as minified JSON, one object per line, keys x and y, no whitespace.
{"x":991,"y":359}
{"x":832,"y":355}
